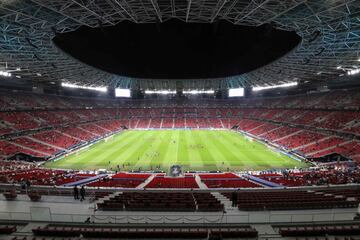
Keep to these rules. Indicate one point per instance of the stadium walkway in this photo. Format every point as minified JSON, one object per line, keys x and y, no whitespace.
{"x":85,"y":181}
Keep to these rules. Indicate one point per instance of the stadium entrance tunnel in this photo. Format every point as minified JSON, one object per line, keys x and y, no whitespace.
{"x":177,"y":50}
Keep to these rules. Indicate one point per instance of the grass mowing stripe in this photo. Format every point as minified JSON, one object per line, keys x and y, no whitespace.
{"x":218,"y":151}
{"x":177,"y":144}
{"x":263,"y":157}
{"x":98,"y":155}
{"x":112,"y":153}
{"x":148,"y":153}
{"x":208,"y":151}
{"x":135,"y":151}
{"x":194,"y":155}
{"x":234,"y":155}
{"x":169,"y":151}
{"x":249,"y":159}
{"x":205,"y":158}
{"x":183,"y":153}
{"x":164,"y":144}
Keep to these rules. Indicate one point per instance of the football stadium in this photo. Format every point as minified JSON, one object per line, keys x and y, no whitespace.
{"x":185,"y":119}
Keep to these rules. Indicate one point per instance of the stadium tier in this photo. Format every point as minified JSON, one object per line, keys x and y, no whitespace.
{"x":294,"y":123}
{"x":295,"y":153}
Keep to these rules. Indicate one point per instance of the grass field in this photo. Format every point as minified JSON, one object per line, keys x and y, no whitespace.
{"x":192,"y":149}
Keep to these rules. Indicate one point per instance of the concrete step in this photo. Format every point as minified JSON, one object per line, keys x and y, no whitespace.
{"x":146,"y":182}
{"x":225,"y":201}
{"x":200,"y":183}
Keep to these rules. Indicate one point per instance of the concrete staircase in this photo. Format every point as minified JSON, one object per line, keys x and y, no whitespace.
{"x":114,"y":194}
{"x":46,"y":143}
{"x":146,"y":182}
{"x":225,"y":201}
{"x":200,"y":183}
{"x":312,"y":143}
{"x":265,"y":231}
{"x":65,"y":134}
{"x":83,"y":129}
{"x":287,"y":136}
{"x":34,"y":150}
{"x":329,"y":148}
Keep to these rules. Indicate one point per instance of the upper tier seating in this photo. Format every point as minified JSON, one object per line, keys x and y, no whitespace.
{"x":321,"y":144}
{"x":110,"y":125}
{"x":19,"y":120}
{"x":167,"y":123}
{"x":9,"y":149}
{"x":339,"y":99}
{"x":180,"y":123}
{"x":56,"y":138}
{"x":94,"y":129}
{"x":143,"y":123}
{"x":5,"y":129}
{"x":347,"y":149}
{"x":29,"y":143}
{"x":266,"y":127}
{"x":248,"y":125}
{"x":280,"y":133}
{"x":78,"y":133}
{"x":155,"y":122}
{"x":338,"y":120}
{"x":300,"y":139}
{"x":191,"y":123}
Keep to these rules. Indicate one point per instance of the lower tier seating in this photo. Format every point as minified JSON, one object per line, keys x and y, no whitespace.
{"x":226,"y":180}
{"x":320,"y":230}
{"x":294,"y":200}
{"x":121,"y":180}
{"x":7,"y":229}
{"x":312,"y":178}
{"x":34,"y":176}
{"x":162,"y":201}
{"x":149,"y":232}
{"x":168,"y":182}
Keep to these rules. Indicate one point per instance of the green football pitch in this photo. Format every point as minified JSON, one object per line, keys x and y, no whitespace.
{"x":191,"y":149}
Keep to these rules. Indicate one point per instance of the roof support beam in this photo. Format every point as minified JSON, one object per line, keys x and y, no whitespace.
{"x":173,"y":8}
{"x":233,"y":4}
{"x":92,"y":12}
{"x":59,"y":12}
{"x":221,"y":3}
{"x":251,"y":11}
{"x":188,"y":11}
{"x":125,"y":10}
{"x":156,"y":8}
{"x":283,"y":12}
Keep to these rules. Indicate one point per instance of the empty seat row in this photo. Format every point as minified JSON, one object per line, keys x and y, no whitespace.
{"x":149,"y":232}
{"x":320,"y":230}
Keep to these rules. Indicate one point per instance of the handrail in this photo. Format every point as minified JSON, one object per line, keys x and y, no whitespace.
{"x":156,"y":217}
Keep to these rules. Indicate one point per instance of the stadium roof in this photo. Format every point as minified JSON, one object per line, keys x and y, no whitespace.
{"x":330,"y":32}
